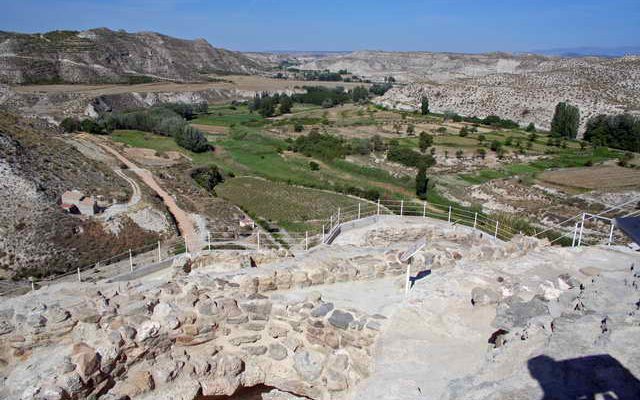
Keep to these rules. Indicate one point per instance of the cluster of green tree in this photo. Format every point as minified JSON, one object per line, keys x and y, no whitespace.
{"x":187,"y":111}
{"x":617,"y":131}
{"x":323,"y":146}
{"x":379,"y":89}
{"x":409,"y":158}
{"x":160,"y":120}
{"x":329,"y":97}
{"x":207,"y":177}
{"x":565,"y":122}
{"x":267,"y":105}
{"x":465,"y":130}
{"x":325,"y":75}
{"x":72,"y":124}
{"x":490,"y":120}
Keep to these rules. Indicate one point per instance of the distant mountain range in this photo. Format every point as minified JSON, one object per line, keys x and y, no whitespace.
{"x":590,"y":51}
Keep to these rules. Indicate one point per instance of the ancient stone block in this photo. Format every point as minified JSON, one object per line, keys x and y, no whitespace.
{"x":277,"y":351}
{"x":308,"y":364}
{"x":340,"y":319}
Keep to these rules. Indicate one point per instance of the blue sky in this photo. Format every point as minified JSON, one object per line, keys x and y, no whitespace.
{"x":430,"y":25}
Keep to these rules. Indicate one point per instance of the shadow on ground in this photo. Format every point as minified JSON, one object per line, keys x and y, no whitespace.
{"x":584,"y":378}
{"x":420,"y":275}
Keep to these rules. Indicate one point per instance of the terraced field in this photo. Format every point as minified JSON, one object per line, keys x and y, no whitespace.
{"x":604,"y":177}
{"x":288,"y":206}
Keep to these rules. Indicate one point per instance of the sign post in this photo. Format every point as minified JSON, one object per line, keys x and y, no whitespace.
{"x":407,"y":257}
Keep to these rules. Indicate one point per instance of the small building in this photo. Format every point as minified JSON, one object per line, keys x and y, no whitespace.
{"x":72,"y":197}
{"x":75,"y":202}
{"x":88,"y":206}
{"x":70,"y":208}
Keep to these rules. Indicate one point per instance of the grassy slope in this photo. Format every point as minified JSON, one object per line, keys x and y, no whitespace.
{"x":286,"y":205}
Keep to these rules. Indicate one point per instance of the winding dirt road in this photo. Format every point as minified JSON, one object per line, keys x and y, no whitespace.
{"x":186,"y":225}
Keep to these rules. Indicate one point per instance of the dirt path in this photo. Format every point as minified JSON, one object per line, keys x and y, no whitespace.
{"x":186,"y":225}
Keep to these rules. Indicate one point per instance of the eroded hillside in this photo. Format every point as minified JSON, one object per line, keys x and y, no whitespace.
{"x":37,"y":237}
{"x":102,"y":55}
{"x":523,"y":88}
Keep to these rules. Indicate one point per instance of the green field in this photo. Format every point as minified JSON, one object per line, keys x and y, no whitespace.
{"x":290,"y":207}
{"x":278,"y":186}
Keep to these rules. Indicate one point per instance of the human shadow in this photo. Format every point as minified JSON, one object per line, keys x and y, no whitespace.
{"x":420,"y":275}
{"x":583,"y":378}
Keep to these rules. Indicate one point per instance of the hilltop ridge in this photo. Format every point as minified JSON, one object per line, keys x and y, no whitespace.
{"x":105,"y":56}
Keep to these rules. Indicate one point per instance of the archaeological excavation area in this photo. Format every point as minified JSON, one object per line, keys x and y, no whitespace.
{"x":483,"y":319}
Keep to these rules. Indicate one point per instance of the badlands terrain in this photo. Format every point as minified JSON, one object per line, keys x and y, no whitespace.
{"x":524,"y":88}
{"x":175,"y":224}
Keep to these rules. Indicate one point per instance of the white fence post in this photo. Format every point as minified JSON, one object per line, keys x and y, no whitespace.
{"x":475,"y":220}
{"x":581,"y":230}
{"x":495,"y":235}
{"x":331,"y":223}
{"x":258,"y":240}
{"x":401,"y":207}
{"x":424,"y":209}
{"x":130,"y":261}
{"x":33,"y":286}
{"x":322,"y":233}
{"x":449,"y":218}
{"x":575,"y":234}
{"x":79,"y":279}
{"x":209,"y":241}
{"x":378,"y":206}
{"x":358,"y":210}
{"x":306,"y":240}
{"x":159,"y":254}
{"x":610,"y":234}
{"x":338,"y":217}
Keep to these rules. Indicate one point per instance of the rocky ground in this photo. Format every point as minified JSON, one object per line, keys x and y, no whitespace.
{"x":484,"y":319}
{"x":102,"y":55}
{"x":38,"y":164}
{"x":524,"y":88}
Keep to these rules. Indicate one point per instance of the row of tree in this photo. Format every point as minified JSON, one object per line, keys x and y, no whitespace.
{"x":617,"y":131}
{"x":169,"y":119}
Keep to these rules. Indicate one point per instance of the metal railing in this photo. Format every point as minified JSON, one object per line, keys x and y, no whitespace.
{"x":323,"y":232}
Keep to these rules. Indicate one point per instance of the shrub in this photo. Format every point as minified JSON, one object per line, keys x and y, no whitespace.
{"x":207,"y":177}
{"x":298,"y":127}
{"x":192,"y":139}
{"x":70,"y":124}
{"x":314,"y":166}
{"x":323,"y":146}
{"x":425,"y":141}
{"x":93,"y":127}
{"x":409,"y":158}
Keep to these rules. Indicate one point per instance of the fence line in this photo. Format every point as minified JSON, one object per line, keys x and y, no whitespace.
{"x":329,"y":228}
